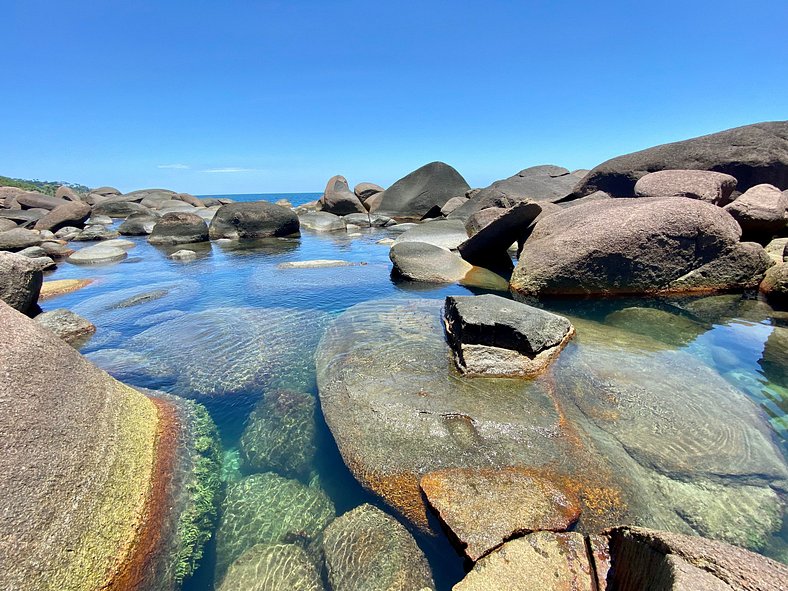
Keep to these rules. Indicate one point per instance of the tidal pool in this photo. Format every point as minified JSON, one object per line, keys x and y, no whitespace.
{"x":231,"y":326}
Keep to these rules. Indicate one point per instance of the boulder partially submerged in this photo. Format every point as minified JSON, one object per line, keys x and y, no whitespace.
{"x":259,"y":219}
{"x":339,"y":199}
{"x":494,"y":336}
{"x":101,"y":486}
{"x":658,"y":245}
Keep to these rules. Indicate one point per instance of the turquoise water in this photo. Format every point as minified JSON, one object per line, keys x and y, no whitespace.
{"x":231,"y":325}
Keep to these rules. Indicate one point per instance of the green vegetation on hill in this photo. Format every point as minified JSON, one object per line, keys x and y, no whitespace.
{"x":46,"y":187}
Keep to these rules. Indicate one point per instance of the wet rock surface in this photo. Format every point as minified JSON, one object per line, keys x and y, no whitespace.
{"x":268,"y":509}
{"x":280,"y":434}
{"x":272,"y":567}
{"x":367,"y":549}
{"x":482,"y":508}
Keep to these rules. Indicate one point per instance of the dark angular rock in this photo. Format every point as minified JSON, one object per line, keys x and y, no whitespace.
{"x":753,"y":154}
{"x":71,"y":213}
{"x":714,"y":187}
{"x":495,"y":336}
{"x":415,"y":194}
{"x":258,"y":219}
{"x":20,"y":281}
{"x":339,"y":199}
{"x":179,"y":228}
{"x":493,"y":230}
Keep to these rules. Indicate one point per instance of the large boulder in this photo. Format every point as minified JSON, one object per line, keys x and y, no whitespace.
{"x":72,"y":213}
{"x":20,"y":281}
{"x":102,"y":487}
{"x":762,"y":211}
{"x":366,"y":549}
{"x":138,"y":224}
{"x":119,"y":209}
{"x":321,"y":221}
{"x":494,"y":336}
{"x":414,"y":195}
{"x":259,"y":219}
{"x":179,"y":228}
{"x":753,"y":154}
{"x":98,"y":254}
{"x":714,"y":187}
{"x":268,"y":509}
{"x":19,"y":239}
{"x":657,"y":245}
{"x":339,"y":199}
{"x":105,"y":191}
{"x":67,"y":193}
{"x":32,"y":200}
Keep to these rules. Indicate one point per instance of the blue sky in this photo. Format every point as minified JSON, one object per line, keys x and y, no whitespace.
{"x":232,"y":97}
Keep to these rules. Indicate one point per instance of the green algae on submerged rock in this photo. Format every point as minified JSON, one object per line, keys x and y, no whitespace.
{"x":667,"y":327}
{"x":269,"y":509}
{"x":366,"y":549}
{"x":272,"y":567}
{"x":280,"y":434}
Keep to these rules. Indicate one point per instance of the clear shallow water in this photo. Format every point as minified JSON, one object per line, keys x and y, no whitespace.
{"x":198,"y":327}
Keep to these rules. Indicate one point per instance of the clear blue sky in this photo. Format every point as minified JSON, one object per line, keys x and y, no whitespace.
{"x":230,"y":97}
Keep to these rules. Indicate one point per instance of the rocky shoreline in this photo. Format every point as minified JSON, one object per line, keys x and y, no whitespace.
{"x":554,"y":452}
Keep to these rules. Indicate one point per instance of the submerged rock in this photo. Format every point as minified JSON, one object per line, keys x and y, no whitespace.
{"x":494,"y":336}
{"x":280,"y":435}
{"x":268,"y":509}
{"x":546,"y":561}
{"x":70,"y":327}
{"x":661,"y":325}
{"x":98,"y":254}
{"x":58,"y":287}
{"x":483,"y":508}
{"x":366,"y":549}
{"x":272,"y":567}
{"x":251,"y":350}
{"x":641,"y":435}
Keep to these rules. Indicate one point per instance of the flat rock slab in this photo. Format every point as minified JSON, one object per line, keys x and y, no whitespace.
{"x":420,"y":261}
{"x":483,"y":507}
{"x":98,"y":254}
{"x":494,"y":336}
{"x":447,"y":234}
{"x":321,"y":221}
{"x":58,"y":287}
{"x":546,"y":561}
{"x":317,"y":264}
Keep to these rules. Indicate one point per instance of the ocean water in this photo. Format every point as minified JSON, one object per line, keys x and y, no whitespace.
{"x":295,"y":199}
{"x":232,"y":325}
